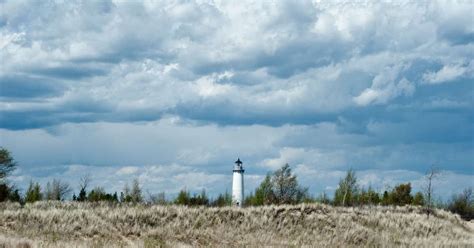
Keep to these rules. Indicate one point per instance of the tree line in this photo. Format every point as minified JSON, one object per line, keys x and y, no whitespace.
{"x":278,"y":187}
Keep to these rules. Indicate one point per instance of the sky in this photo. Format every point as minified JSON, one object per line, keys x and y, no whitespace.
{"x":173,"y":92}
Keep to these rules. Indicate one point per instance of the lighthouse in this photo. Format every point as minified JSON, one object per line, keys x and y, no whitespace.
{"x":238,"y":184}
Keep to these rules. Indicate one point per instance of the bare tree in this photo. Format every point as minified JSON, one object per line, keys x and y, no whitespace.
{"x":431,"y":175}
{"x":159,"y":198}
{"x":57,"y":190}
{"x":83,"y":183}
{"x":133,"y":194}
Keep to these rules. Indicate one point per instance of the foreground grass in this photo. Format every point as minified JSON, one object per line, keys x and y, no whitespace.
{"x":72,"y":224}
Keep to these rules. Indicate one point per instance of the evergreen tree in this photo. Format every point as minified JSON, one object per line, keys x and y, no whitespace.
{"x":374,"y":197}
{"x":386,"y":198}
{"x":82,"y":195}
{"x":182,"y":198}
{"x":264,"y":193}
{"x":418,"y":199}
{"x":83,"y":185}
{"x":4,"y":192}
{"x":122,"y":197}
{"x":136,"y":192}
{"x":15,"y":196}
{"x":33,"y":193}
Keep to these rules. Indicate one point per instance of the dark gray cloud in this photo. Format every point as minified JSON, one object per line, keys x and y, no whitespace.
{"x":28,"y":87}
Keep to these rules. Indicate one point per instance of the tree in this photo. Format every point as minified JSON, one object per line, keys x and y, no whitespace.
{"x":347,"y":190}
{"x":430,"y":176}
{"x":199,"y":199}
{"x":401,"y":194}
{"x":368,"y":196}
{"x":264,"y":193}
{"x":285,"y":187}
{"x":463,"y":204}
{"x":323,"y":198}
{"x":122,"y":197}
{"x":33,"y":193}
{"x":224,"y":200}
{"x":159,"y":198}
{"x":4,"y":192}
{"x":98,"y":194}
{"x":136,"y":192}
{"x":182,"y":198}
{"x":125,"y":195}
{"x":84,"y":182}
{"x":7,"y":163}
{"x":418,"y":199}
{"x":15,"y":196}
{"x":10,"y":193}
{"x":386,"y":198}
{"x":57,"y":190}
{"x":373,"y":196}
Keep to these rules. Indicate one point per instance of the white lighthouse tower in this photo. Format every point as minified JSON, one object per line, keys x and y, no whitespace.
{"x":238,"y":184}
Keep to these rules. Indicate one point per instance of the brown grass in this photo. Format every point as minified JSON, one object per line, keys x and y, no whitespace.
{"x":71,"y":224}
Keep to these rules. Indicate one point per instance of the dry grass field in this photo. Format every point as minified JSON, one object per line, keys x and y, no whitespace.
{"x":71,"y":224}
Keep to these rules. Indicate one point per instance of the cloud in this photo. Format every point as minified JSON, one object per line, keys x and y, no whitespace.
{"x":127,"y":170}
{"x":269,"y":63}
{"x":385,"y":87}
{"x":28,"y":87}
{"x":320,"y":85}
{"x":447,"y":73}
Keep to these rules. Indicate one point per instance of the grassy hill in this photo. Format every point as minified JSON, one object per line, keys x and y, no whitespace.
{"x":57,"y":224}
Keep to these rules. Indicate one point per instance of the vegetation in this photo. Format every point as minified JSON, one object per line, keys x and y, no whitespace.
{"x":278,"y":187}
{"x":185,"y":198}
{"x":33,"y":193}
{"x":7,"y":163}
{"x":346,"y":193}
{"x":463,"y":204}
{"x":79,"y":224}
{"x":57,"y":190}
{"x":281,"y":187}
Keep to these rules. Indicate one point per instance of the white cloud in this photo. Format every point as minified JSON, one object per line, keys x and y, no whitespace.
{"x":127,"y":170}
{"x":385,"y":87}
{"x":446,"y":74}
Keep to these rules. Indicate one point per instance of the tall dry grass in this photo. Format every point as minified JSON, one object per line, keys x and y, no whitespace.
{"x":60,"y":224}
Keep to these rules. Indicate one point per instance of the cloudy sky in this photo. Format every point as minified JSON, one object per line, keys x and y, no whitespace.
{"x":173,"y":92}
